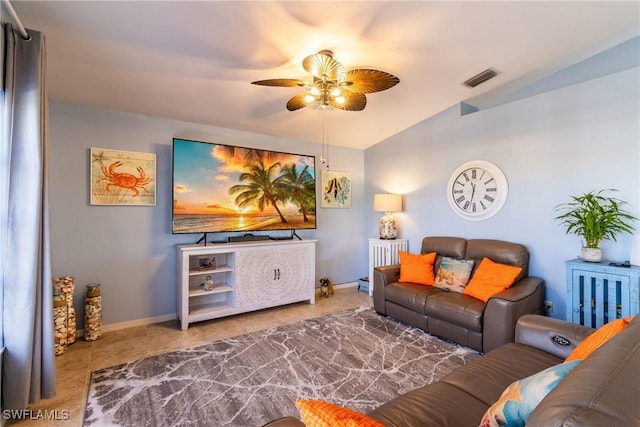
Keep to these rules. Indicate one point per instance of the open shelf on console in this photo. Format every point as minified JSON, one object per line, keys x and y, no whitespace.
{"x":220,"y":269}
{"x":209,"y":311}
{"x":217,"y":289}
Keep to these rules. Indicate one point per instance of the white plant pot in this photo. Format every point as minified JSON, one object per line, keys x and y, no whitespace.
{"x":591,"y":254}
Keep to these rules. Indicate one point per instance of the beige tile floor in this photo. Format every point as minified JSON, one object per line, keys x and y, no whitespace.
{"x":73,"y":368}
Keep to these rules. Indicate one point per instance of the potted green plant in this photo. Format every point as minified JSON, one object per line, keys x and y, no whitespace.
{"x":595,"y":217}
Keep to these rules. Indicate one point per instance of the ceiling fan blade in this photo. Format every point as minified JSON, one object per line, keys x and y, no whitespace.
{"x":369,"y":81}
{"x":280,"y":82}
{"x":296,"y":103}
{"x":353,"y":102}
{"x":321,"y":63}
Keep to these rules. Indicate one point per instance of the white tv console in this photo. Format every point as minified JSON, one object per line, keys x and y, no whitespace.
{"x":246,"y":276}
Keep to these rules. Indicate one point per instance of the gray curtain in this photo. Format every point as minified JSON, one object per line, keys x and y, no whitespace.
{"x":28,"y":365}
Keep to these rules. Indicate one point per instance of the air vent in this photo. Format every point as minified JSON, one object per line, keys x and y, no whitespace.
{"x":487,"y":74}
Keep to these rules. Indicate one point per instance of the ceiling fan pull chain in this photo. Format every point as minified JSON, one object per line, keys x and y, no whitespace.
{"x":322,"y":158}
{"x":325,"y":145}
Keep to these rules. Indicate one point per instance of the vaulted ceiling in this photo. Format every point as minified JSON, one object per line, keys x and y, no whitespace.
{"x":194,"y":61}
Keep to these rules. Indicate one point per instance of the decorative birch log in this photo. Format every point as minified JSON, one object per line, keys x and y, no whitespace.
{"x":93,"y":313}
{"x":60,"y":324}
{"x":65,"y":286}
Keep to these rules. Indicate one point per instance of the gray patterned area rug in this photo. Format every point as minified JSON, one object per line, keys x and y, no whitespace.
{"x":355,"y":358}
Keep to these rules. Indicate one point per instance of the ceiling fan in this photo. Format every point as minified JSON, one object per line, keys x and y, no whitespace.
{"x":333,"y":85}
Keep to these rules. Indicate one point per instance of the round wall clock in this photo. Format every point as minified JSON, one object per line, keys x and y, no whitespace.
{"x":477,"y":190}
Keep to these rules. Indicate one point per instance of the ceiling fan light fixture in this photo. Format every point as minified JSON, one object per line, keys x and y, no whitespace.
{"x":333,"y":85}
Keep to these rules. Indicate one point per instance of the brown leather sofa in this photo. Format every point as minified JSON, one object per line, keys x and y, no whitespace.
{"x":603,"y":390}
{"x":456,"y":316}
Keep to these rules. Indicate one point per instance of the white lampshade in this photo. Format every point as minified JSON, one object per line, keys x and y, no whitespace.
{"x":388,"y":203}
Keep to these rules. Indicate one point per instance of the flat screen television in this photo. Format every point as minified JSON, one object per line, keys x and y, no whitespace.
{"x":225,"y":188}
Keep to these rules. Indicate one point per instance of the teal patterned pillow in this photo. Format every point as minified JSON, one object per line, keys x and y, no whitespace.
{"x":453,"y":274}
{"x":520,"y":399}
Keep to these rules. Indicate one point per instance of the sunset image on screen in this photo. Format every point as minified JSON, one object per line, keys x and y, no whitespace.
{"x":218,"y":188}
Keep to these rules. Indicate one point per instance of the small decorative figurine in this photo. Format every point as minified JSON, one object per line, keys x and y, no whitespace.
{"x":326,"y":287}
{"x":208,"y":283}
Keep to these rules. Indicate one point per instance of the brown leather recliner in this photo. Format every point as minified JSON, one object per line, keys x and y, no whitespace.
{"x":456,"y":316}
{"x":602,"y":390}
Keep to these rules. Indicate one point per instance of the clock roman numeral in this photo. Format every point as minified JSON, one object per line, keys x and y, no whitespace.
{"x":466,"y":205}
{"x":494,"y":189}
{"x":483,"y":206}
{"x":473,"y":206}
{"x":488,"y":198}
{"x":465,"y":176}
{"x":460,"y":199}
{"x":473,"y":173}
{"x":488,"y":181}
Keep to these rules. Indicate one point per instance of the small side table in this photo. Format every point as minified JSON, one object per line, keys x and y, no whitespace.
{"x":598,"y":293}
{"x":384,"y":252}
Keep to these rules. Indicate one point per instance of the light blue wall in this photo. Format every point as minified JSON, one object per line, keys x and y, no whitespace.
{"x":130,"y":250}
{"x":568,"y":141}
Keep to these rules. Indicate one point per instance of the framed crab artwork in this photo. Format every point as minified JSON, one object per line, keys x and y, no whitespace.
{"x":122,"y":178}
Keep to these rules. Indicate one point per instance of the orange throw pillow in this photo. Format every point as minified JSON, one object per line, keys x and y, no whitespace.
{"x":318,"y":413}
{"x":491,"y":278}
{"x":417,"y":268}
{"x":603,"y":334}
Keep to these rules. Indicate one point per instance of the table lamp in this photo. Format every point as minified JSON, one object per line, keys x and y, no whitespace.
{"x":388,"y":203}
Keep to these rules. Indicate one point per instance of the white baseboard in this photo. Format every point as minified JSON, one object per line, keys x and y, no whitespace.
{"x":346,"y":285}
{"x":168,"y":317}
{"x":139,"y":322}
{"x":133,"y":323}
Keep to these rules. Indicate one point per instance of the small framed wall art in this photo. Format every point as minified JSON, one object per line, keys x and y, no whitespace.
{"x":122,"y":178}
{"x":336,"y":189}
